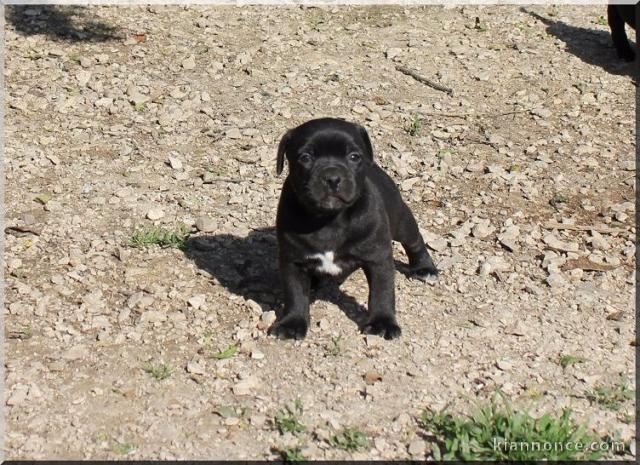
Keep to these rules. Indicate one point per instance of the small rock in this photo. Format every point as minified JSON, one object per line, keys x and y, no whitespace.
{"x":556,"y":280}
{"x":371,"y":377}
{"x":495,"y":263}
{"x":266,"y":320}
{"x":434,"y":241}
{"x":258,"y":420}
{"x":509,"y":238}
{"x":246,"y":386}
{"x":417,"y":447}
{"x":598,"y":242}
{"x":504,"y":365}
{"x":482,"y":229}
{"x":196,"y":367}
{"x":392,"y":53}
{"x":206,"y":224}
{"x":83,"y":77}
{"x":85,"y":62}
{"x":18,"y":396}
{"x":155,"y":214}
{"x":541,"y":112}
{"x":254,"y":306}
{"x":153,"y":316}
{"x":257,"y":355}
{"x":197,"y":300}
{"x":233,"y":133}
{"x":189,"y":63}
{"x":374,"y":341}
{"x":53,"y":159}
{"x":552,"y":241}
{"x":208,"y":177}
{"x":474,"y":167}
{"x":175,"y":163}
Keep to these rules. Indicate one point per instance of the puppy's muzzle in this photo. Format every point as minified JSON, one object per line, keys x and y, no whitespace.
{"x":332,"y":179}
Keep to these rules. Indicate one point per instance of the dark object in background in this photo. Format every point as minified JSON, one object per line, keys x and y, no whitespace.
{"x":617,"y":16}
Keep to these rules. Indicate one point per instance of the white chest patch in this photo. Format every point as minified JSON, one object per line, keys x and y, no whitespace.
{"x":327,"y":265}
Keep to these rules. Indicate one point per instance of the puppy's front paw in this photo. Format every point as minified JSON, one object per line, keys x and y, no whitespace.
{"x":427,"y":274}
{"x":290,"y":327}
{"x":383,"y":326}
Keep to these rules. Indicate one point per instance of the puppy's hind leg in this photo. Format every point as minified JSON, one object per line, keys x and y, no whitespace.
{"x":408,"y":234}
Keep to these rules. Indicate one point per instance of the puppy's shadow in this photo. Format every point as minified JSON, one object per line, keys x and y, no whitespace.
{"x":592,"y":46}
{"x":248,"y":266}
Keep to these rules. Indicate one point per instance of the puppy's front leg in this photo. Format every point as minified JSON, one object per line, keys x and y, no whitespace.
{"x":382,"y":302}
{"x":295,"y":320}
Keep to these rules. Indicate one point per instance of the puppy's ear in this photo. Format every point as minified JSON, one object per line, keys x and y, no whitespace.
{"x":282,"y":149}
{"x":367,"y":143}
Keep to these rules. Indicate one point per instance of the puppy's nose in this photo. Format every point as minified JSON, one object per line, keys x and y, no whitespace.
{"x":332,"y":181}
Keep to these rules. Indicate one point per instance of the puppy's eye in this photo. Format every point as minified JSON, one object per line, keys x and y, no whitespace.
{"x":305,"y":159}
{"x":354,"y":157}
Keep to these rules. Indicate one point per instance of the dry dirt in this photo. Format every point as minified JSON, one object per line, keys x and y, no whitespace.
{"x":116,"y":114}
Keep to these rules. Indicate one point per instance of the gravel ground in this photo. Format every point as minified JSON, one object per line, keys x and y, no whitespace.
{"x":123,"y":119}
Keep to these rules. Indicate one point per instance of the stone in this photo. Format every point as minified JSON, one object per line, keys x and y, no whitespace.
{"x":206,"y":224}
{"x":556,"y":280}
{"x":482,"y":229}
{"x":552,"y":241}
{"x":189,"y":63}
{"x":495,"y":263}
{"x":417,"y":447}
{"x":175,"y":163}
{"x":155,"y":213}
{"x":197,"y":301}
{"x":246,"y":386}
{"x":196,"y":367}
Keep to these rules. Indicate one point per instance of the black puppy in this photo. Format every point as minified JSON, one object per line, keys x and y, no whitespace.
{"x":339,"y":211}
{"x":617,"y":16}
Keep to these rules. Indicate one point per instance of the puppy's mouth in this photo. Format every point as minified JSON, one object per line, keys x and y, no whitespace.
{"x":334,"y":201}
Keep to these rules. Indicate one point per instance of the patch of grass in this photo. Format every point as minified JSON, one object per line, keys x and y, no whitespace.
{"x":552,"y":12}
{"x":160,"y":237}
{"x":33,"y":55}
{"x":227,"y":353}
{"x":627,"y":419}
{"x":140,"y":107}
{"x":123,"y":448}
{"x":334,"y":348}
{"x":159,"y":372}
{"x":442,"y":152}
{"x":494,"y":433}
{"x":292,"y":454}
{"x":416,"y":125}
{"x":558,"y":199}
{"x":351,"y":440}
{"x":75,"y":57}
{"x":612,"y":397}
{"x":602,"y":21}
{"x":42,"y":198}
{"x":287,"y":421}
{"x":568,"y":360}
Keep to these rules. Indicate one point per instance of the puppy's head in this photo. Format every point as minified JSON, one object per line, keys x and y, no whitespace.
{"x":327,"y":159}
